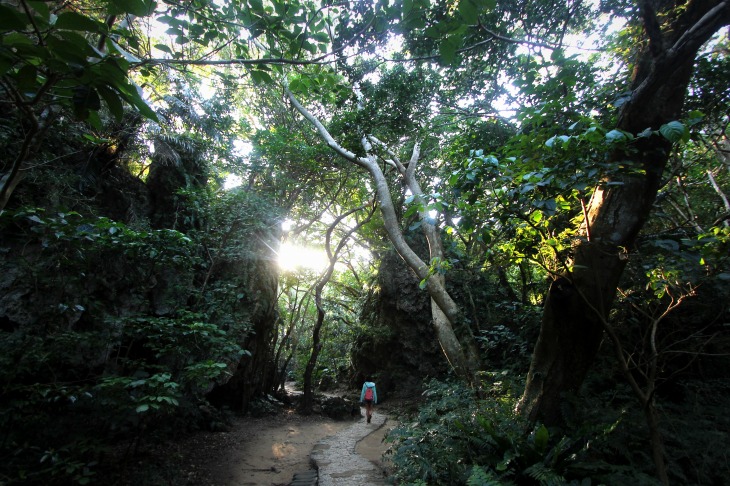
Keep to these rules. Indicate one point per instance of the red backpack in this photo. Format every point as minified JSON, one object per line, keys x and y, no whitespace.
{"x":369,"y":393}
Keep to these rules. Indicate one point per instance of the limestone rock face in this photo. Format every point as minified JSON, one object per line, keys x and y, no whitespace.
{"x":55,"y":279}
{"x":401,"y":348}
{"x":251,"y":376}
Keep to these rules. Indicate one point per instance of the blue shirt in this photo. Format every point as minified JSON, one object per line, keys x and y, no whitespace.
{"x":365,"y":386}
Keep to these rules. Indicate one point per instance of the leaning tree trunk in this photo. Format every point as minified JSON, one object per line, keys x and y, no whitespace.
{"x":578,"y":303}
{"x":463,"y":358}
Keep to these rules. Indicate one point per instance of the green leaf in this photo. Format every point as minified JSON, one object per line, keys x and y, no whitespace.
{"x":142,"y":408}
{"x":261,"y":77}
{"x":71,"y":51}
{"x":132,"y":96}
{"x":113,"y":102}
{"x":448,"y":48}
{"x":11,"y":19}
{"x":41,"y":9}
{"x":562,"y":139}
{"x":557,"y":55}
{"x":593,"y":134}
{"x":674,"y":131}
{"x":144,"y":109}
{"x":163,"y":48}
{"x":694,"y":117}
{"x":646,"y":133}
{"x":486,"y":4}
{"x":541,"y":438}
{"x":406,"y":9}
{"x":468,"y":11}
{"x":26,"y":77}
{"x":86,"y":98}
{"x":615,"y":136}
{"x":141,"y":8}
{"x":92,"y":118}
{"x":75,"y":21}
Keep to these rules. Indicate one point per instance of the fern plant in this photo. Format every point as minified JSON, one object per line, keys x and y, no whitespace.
{"x":459,"y":439}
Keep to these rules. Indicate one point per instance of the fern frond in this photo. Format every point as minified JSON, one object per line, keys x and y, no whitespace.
{"x":544,"y":475}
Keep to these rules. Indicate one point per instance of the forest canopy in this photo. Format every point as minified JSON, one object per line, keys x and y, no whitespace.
{"x":538,"y":188}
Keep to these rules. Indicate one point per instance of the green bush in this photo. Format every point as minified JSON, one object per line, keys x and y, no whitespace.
{"x":88,"y":375}
{"x":459,"y":439}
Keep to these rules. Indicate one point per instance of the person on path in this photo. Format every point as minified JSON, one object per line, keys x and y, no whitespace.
{"x":369,"y":396}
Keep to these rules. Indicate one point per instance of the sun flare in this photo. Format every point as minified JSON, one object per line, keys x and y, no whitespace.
{"x":294,"y":257}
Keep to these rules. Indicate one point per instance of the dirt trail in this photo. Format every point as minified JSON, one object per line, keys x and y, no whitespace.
{"x":270,"y":452}
{"x":266,"y":451}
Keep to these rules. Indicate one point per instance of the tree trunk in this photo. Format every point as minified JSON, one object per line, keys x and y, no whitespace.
{"x":333,"y":255}
{"x":463,"y":358}
{"x":656,"y":442}
{"x":578,"y":302}
{"x":308,"y":389}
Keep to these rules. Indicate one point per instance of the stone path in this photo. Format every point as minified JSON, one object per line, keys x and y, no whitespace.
{"x":337,"y":462}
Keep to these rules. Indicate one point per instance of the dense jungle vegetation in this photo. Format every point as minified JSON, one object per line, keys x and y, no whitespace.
{"x":515,"y":213}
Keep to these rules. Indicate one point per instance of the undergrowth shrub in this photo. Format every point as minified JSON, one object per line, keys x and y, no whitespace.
{"x":99,"y":365}
{"x":456,"y":438}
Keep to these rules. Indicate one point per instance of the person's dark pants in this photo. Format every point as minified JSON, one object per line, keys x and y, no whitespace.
{"x":369,"y":409}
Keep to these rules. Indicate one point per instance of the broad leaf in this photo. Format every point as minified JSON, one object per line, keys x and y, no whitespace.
{"x":468,"y":11}
{"x":75,"y":21}
{"x":163,"y":48}
{"x":615,"y":136}
{"x":141,"y":8}
{"x":11,"y":19}
{"x":674,"y":131}
{"x":113,"y":102}
{"x":448,"y":48}
{"x":541,"y":438}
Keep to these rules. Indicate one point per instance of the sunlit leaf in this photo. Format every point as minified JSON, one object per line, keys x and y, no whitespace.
{"x":674,"y":131}
{"x":615,"y":136}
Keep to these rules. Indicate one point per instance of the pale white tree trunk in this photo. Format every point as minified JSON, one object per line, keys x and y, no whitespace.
{"x":461,"y":354}
{"x":444,"y":317}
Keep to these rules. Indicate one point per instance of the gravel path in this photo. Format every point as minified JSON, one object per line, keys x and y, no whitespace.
{"x":338,"y":463}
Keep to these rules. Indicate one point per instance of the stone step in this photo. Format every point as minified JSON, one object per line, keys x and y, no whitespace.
{"x":307,"y":478}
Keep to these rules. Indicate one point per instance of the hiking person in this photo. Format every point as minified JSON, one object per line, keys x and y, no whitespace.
{"x":368,"y":396}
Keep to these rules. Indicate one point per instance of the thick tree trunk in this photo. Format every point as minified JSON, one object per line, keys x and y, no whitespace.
{"x":578,"y":303}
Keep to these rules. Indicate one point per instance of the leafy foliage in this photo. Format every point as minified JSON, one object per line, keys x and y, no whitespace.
{"x":135,"y":324}
{"x":456,"y":438}
{"x":129,"y":374}
{"x":60,"y":63}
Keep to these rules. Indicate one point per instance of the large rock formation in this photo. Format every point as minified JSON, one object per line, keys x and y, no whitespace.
{"x":401,"y":349}
{"x":61,"y":272}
